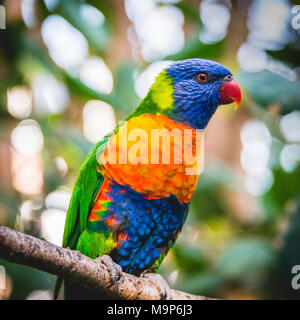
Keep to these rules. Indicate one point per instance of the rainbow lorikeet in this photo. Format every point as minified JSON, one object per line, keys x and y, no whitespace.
{"x":133,"y":209}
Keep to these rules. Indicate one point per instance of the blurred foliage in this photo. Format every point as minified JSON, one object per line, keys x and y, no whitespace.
{"x":288,"y":255}
{"x":219,"y":253}
{"x":282,"y":92}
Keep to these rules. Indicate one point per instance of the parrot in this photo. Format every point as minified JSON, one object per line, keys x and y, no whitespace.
{"x":132,"y":210}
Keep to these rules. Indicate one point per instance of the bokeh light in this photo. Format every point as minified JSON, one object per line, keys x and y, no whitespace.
{"x":28,"y":12}
{"x":252,"y":58}
{"x":27,"y":137}
{"x":51,"y":4}
{"x":215,"y":17}
{"x":62,"y":165}
{"x":53,"y":218}
{"x":26,"y":214}
{"x":26,"y":163}
{"x":52,"y":225}
{"x":290,"y":126}
{"x":259,"y":181}
{"x":66,"y":45}
{"x":98,"y":120}
{"x":268,"y":23}
{"x":49,"y":94}
{"x":159,"y":28}
{"x":19,"y":102}
{"x":58,"y":199}
{"x":255,"y":155}
{"x":290,"y":157}
{"x":91,"y":15}
{"x":27,"y":173}
{"x":96,"y":75}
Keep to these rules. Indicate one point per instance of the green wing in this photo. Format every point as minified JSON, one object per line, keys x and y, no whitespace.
{"x":86,"y":187}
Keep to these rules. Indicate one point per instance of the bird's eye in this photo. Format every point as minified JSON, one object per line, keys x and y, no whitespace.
{"x":202,"y":77}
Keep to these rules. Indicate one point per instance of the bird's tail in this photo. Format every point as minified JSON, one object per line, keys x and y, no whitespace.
{"x":73,"y":291}
{"x":57,"y":287}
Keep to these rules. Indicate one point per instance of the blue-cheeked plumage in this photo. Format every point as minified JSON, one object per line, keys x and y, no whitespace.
{"x":196,"y":102}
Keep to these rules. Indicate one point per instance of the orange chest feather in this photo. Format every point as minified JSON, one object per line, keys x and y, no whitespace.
{"x":156,"y":156}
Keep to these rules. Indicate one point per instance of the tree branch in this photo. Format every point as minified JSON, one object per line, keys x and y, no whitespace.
{"x":70,"y":264}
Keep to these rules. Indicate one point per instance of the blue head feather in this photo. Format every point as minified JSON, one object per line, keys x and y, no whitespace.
{"x":195,"y":102}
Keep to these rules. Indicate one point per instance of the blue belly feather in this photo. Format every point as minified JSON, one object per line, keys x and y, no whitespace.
{"x":151,"y":227}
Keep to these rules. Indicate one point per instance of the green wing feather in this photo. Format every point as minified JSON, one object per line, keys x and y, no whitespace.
{"x":86,"y":187}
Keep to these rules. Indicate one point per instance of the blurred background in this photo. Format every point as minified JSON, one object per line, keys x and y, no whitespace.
{"x":70,"y":70}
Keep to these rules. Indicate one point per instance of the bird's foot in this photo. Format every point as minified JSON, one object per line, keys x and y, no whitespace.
{"x":115,"y":270}
{"x":161,"y":283}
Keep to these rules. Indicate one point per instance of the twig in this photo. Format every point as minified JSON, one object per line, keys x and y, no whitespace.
{"x":72,"y":265}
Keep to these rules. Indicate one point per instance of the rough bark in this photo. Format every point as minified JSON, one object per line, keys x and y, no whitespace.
{"x":30,"y":251}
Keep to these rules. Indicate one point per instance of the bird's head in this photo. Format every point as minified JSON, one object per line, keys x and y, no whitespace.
{"x":190,"y":91}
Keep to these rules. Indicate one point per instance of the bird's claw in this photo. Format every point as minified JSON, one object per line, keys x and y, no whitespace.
{"x":115,"y":270}
{"x":161,"y":283}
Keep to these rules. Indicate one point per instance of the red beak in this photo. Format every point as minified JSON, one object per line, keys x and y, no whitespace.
{"x":230,"y":92}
